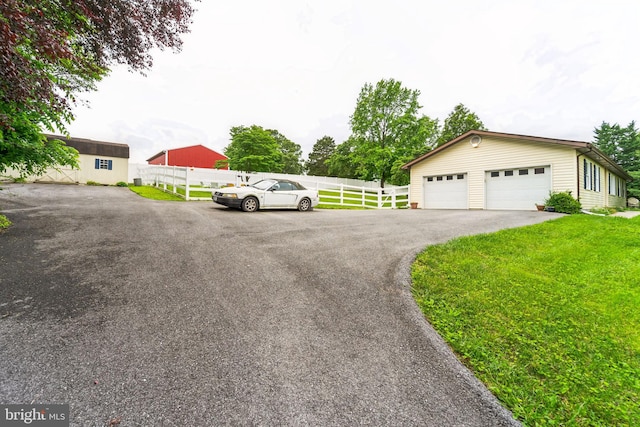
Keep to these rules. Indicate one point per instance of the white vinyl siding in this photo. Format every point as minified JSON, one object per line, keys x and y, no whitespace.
{"x":495,"y":154}
{"x":104,"y":170}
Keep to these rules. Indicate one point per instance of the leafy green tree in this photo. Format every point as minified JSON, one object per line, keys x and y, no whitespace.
{"x":622,"y":144}
{"x":428,"y":132}
{"x":459,"y":121}
{"x":342,"y":164}
{"x":291,"y":154}
{"x":385,"y":129}
{"x":24,"y":148}
{"x":253,"y":149}
{"x":323,"y":149}
{"x":53,"y":50}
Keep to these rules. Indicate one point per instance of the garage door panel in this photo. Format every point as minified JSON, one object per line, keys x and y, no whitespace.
{"x":446,"y":192}
{"x":517,"y":189}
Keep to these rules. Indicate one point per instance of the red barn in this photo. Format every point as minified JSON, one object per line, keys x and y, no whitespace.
{"x":195,"y":156}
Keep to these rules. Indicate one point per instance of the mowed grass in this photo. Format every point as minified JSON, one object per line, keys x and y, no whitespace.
{"x":547,"y":316}
{"x":154,"y":193}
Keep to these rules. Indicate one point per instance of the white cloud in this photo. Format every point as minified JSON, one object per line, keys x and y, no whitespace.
{"x":544,"y":68}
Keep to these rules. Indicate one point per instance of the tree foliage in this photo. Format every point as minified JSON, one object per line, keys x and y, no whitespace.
{"x":53,"y":50}
{"x":24,"y":148}
{"x":322,"y":150}
{"x":386,"y":131}
{"x":622,"y":144}
{"x":253,"y":149}
{"x":290,"y":152}
{"x":341,"y":164}
{"x":459,"y":121}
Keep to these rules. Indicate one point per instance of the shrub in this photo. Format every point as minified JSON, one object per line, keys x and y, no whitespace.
{"x":93,"y":183}
{"x":563,"y":202}
{"x":4,"y":222}
{"x":122,"y":184}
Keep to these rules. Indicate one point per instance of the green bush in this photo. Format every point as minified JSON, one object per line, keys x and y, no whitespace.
{"x":122,"y":184}
{"x":563,"y":202}
{"x":93,"y":183}
{"x":4,"y":222}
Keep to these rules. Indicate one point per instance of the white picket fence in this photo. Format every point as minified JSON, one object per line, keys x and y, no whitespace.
{"x":193,"y":183}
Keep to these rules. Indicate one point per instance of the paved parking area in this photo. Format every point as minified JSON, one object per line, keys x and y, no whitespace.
{"x":175,"y":314}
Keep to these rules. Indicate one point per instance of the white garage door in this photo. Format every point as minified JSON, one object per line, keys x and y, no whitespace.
{"x":446,"y":192}
{"x":517,"y":189}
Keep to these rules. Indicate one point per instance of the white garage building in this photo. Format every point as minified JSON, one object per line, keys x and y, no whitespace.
{"x":491,"y":170}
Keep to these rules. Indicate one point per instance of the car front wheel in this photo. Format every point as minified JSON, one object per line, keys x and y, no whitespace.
{"x":304,"y":205}
{"x":250,"y":204}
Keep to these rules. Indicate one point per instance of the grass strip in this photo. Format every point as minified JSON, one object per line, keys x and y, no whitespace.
{"x":154,"y":193}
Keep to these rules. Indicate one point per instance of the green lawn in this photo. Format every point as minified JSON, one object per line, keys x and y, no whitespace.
{"x":154,"y":193}
{"x":151,"y":192}
{"x":547,"y":316}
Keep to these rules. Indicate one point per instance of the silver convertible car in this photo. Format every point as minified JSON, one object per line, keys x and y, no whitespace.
{"x":267,"y":194}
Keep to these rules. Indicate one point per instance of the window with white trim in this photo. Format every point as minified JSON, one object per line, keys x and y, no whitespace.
{"x":621,"y":188}
{"x":592,"y":176}
{"x":612,"y":184}
{"x":616,"y":185}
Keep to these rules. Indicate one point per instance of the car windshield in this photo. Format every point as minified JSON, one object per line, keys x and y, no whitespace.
{"x":264,"y":184}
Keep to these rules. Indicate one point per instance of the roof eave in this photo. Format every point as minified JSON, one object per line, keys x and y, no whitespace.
{"x":594,"y":153}
{"x":570,"y":143}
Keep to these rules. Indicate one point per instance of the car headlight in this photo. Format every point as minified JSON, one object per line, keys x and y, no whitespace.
{"x":231,"y":195}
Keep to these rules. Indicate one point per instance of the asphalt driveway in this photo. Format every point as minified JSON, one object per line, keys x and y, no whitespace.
{"x":189,"y":314}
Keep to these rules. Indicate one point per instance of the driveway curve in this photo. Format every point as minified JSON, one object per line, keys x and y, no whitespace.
{"x":175,"y":314}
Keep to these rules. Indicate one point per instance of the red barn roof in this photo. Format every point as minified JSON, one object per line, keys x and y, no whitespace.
{"x":195,"y":156}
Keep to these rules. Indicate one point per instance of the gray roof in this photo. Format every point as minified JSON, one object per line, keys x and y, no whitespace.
{"x":96,"y":148}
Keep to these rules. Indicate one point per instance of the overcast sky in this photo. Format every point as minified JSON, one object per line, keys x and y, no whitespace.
{"x":536,"y":67}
